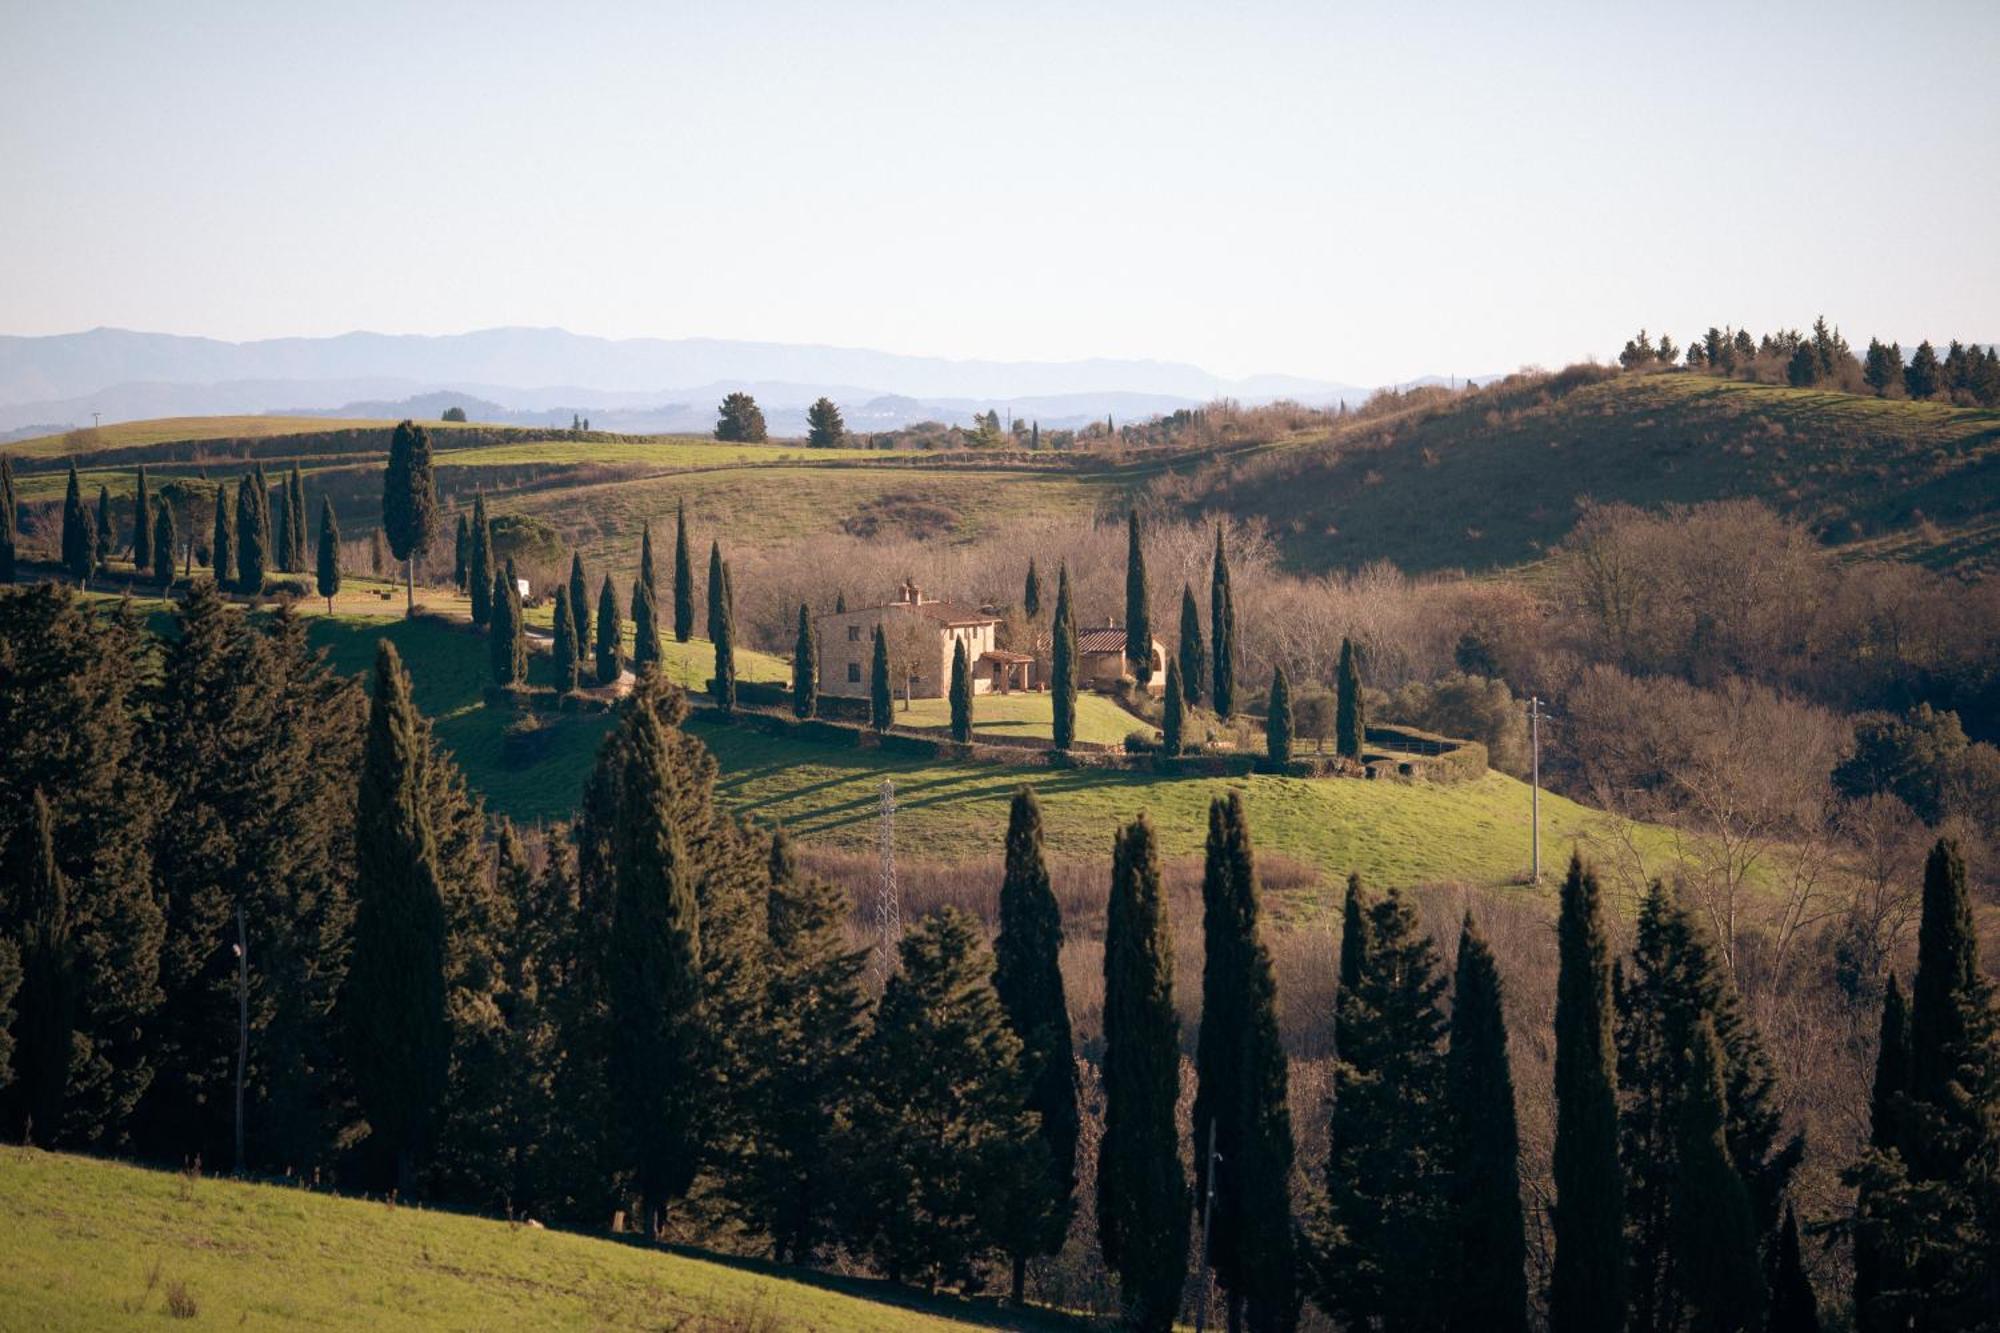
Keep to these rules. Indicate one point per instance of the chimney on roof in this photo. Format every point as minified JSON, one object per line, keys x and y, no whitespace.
{"x":911,"y":594}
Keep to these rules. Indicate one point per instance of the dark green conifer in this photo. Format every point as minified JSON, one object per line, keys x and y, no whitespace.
{"x":565,"y":642}
{"x":805,"y":667}
{"x":1027,"y":976}
{"x":1588,"y":1285}
{"x":295,"y":500}
{"x":1193,"y":652}
{"x":394,"y":1000}
{"x":1241,"y":1072}
{"x":1142,"y":1193}
{"x":881,"y":703}
{"x":715,"y":593}
{"x":1222,"y":631}
{"x":655,"y":972}
{"x":1278,"y":723}
{"x":409,"y":501}
{"x":479,"y":567}
{"x":252,"y":537}
{"x":1138,"y":608}
{"x":1350,"y":720}
{"x":1876,"y":1268}
{"x":961,"y":694}
{"x":683,"y":577}
{"x":646,"y":575}
{"x":1173,"y":713}
{"x":1794,"y":1308}
{"x":506,"y":648}
{"x":79,"y":540}
{"x":221,"y":540}
{"x":1488,"y":1287}
{"x":106,"y":538}
{"x":50,"y":981}
{"x":610,"y":635}
{"x":579,"y":604}
{"x":1715,"y":1231}
{"x":1031,"y":593}
{"x":805,"y":1059}
{"x":142,"y":525}
{"x":1062,"y":672}
{"x":461,"y":553}
{"x":947,"y":1143}
{"x":162,"y":536}
{"x":723,"y":685}
{"x":9,"y":530}
{"x":329,"y":552}
{"x":646,"y":650}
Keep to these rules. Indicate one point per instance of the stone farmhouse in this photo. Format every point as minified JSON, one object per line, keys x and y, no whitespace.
{"x":920,"y":632}
{"x":1101,"y":664}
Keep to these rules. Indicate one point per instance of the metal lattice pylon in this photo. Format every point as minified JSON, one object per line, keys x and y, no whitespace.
{"x":888,"y":905}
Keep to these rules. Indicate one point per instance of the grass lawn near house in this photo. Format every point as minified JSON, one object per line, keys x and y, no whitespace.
{"x":1099,"y":720}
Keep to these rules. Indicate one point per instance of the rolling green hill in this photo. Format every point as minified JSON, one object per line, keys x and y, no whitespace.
{"x":1493,"y":479}
{"x":94,"y":1244}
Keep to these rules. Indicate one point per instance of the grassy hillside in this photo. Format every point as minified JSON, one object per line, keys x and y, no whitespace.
{"x":1493,"y":479}
{"x":1032,"y":716}
{"x":166,"y":430}
{"x":94,"y":1244}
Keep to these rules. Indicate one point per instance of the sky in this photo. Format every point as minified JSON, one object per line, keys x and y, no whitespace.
{"x":1359,"y":193}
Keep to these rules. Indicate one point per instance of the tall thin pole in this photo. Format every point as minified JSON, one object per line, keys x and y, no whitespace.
{"x":1535,"y":830}
{"x":1207,"y":1217}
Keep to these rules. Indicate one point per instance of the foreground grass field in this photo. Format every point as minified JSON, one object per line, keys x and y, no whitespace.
{"x":93,"y":1244}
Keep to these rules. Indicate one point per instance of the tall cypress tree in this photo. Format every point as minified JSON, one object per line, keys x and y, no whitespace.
{"x":1138,"y":608}
{"x":1062,"y":673}
{"x":50,"y":980}
{"x":79,"y":541}
{"x":565,"y":642}
{"x":1031,"y":593}
{"x":1193,"y":651}
{"x":505,"y":647}
{"x":1350,"y":723}
{"x":804,"y":1058}
{"x":1715,"y":1238}
{"x":1587,"y":1288}
{"x":461,"y":553}
{"x":9,"y":532}
{"x":645,"y":628}
{"x":1222,"y":631}
{"x":479,"y":563}
{"x":1948,"y":992}
{"x":281,"y":530}
{"x":646,"y":575}
{"x":724,"y":684}
{"x":394,"y":999}
{"x":295,"y":499}
{"x":715,"y":593}
{"x":409,"y":501}
{"x":1489,"y":1290}
{"x":610,"y":635}
{"x":1027,"y":976}
{"x":1794,"y":1308}
{"x":881,"y":702}
{"x":655,"y":973}
{"x":252,"y":535}
{"x":329,"y":552}
{"x":1173,"y":713}
{"x":1383,"y":1257}
{"x":1240,"y":1065}
{"x":142,"y":525}
{"x":1142,"y":1193}
{"x":1877,"y":1268}
{"x":162,"y":536}
{"x":579,"y":604}
{"x":805,"y":667}
{"x":221,"y":543}
{"x":960,"y":695}
{"x":1278,"y":723}
{"x":683,"y":577}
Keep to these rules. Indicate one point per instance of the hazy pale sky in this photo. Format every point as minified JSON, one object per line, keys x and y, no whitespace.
{"x":1356,"y":192}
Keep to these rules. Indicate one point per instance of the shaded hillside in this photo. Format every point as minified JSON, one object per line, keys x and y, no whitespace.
{"x":1494,"y":477}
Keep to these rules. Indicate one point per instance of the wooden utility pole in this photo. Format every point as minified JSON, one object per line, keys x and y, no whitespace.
{"x":1535,"y":799}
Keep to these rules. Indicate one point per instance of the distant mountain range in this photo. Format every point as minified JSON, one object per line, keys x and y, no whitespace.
{"x":545,"y":376}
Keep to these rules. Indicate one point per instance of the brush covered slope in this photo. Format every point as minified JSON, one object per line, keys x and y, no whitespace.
{"x":1495,"y":477}
{"x":97,"y":1244}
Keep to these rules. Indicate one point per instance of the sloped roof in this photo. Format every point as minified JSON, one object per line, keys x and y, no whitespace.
{"x":1101,"y":640}
{"x":949,"y":613}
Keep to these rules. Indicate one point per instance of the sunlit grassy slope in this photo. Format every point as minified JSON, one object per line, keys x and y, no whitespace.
{"x":1098,"y":720}
{"x":92,"y":1244}
{"x":167,"y":430}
